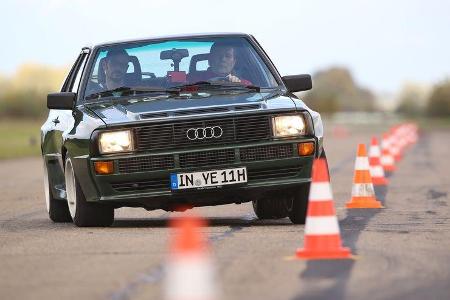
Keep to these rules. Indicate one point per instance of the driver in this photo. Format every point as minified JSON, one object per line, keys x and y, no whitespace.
{"x":222,"y":59}
{"x":114,"y":67}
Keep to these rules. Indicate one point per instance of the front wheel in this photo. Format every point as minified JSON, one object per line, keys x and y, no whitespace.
{"x":57,"y":210}
{"x":270,"y":207}
{"x":299,"y":205}
{"x":83,"y":213}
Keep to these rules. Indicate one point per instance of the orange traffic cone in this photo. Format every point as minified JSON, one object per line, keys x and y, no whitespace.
{"x":376,"y":170}
{"x":189,"y":269}
{"x":411,"y":133}
{"x":403,"y":143}
{"x":387,"y":160}
{"x":396,"y":140}
{"x":322,"y":236}
{"x":363,"y":194}
{"x":403,"y":134}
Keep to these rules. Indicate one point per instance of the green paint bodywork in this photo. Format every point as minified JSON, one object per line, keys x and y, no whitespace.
{"x":73,"y":137}
{"x":71,"y":133}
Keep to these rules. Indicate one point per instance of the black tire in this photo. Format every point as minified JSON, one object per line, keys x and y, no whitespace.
{"x":270,"y":208}
{"x":299,"y":207}
{"x":57,"y":210}
{"x":85,"y":214}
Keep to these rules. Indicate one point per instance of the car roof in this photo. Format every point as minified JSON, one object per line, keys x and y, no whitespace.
{"x":171,"y":37}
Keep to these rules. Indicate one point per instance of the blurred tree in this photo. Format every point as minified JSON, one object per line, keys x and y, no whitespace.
{"x":322,"y":100}
{"x":39,"y":78}
{"x":3,"y":85}
{"x":439,"y":102}
{"x":24,"y":94}
{"x":367,"y":100}
{"x":335,"y":90}
{"x":412,"y":99}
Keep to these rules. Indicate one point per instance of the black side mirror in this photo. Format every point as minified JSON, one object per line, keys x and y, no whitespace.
{"x":62,"y":100}
{"x":298,"y":83}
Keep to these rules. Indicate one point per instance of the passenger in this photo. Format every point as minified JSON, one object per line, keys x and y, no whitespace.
{"x":115,"y":67}
{"x":222,"y":60}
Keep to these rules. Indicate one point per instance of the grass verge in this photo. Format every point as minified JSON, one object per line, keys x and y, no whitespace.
{"x":19,"y":138}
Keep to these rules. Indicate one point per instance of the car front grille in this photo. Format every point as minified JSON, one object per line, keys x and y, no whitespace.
{"x":164,"y":182}
{"x":146,"y":163}
{"x":266,"y":152}
{"x":152,"y":184}
{"x":173,"y":135}
{"x":204,"y":158}
{"x":207,"y":158}
{"x":267,"y":174}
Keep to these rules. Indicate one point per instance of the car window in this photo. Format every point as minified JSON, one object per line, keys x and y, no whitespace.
{"x":69,"y":79}
{"x":166,"y":64}
{"x":73,"y":79}
{"x":79,"y":72}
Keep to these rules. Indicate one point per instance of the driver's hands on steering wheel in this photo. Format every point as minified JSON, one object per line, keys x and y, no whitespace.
{"x":229,"y":77}
{"x":233,"y":78}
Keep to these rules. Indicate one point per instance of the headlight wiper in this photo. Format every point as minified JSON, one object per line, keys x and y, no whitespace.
{"x":128,"y":91}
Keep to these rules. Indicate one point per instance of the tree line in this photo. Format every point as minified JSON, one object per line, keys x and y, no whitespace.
{"x":416,"y":100}
{"x":24,"y":94}
{"x":334,"y":90}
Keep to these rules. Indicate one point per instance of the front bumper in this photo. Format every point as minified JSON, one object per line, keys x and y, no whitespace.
{"x":138,"y":185}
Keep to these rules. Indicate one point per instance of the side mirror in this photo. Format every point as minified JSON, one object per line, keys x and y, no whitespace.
{"x":298,"y":83}
{"x":63,"y":100}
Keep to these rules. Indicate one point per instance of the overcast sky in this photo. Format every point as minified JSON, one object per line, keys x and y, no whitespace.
{"x":383,"y":42}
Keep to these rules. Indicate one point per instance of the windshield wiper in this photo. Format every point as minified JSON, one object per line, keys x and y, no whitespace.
{"x":214,"y":85}
{"x":127,"y":91}
{"x":240,"y":86}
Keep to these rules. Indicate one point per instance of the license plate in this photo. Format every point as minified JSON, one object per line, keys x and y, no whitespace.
{"x":206,"y":179}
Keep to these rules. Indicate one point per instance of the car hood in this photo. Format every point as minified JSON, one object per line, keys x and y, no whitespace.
{"x":142,"y":108}
{"x":145,"y":109}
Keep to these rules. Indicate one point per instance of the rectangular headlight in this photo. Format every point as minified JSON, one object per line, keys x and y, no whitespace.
{"x":115,"y":141}
{"x":293,"y":125}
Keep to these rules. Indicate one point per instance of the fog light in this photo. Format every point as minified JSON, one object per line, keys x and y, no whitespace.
{"x":104,"y":167}
{"x":305,"y":149}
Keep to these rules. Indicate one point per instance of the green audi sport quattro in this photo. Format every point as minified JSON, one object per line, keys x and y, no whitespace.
{"x":178,"y":122}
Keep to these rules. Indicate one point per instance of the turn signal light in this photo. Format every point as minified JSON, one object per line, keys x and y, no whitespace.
{"x":104,"y":167}
{"x":305,"y":149}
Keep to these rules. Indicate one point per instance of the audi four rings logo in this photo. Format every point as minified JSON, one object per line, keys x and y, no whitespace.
{"x":204,"y":133}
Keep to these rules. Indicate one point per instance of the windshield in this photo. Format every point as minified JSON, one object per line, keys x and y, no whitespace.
{"x":161,"y":66}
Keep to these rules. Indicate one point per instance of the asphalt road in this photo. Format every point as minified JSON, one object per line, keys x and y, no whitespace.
{"x":402,"y":251}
